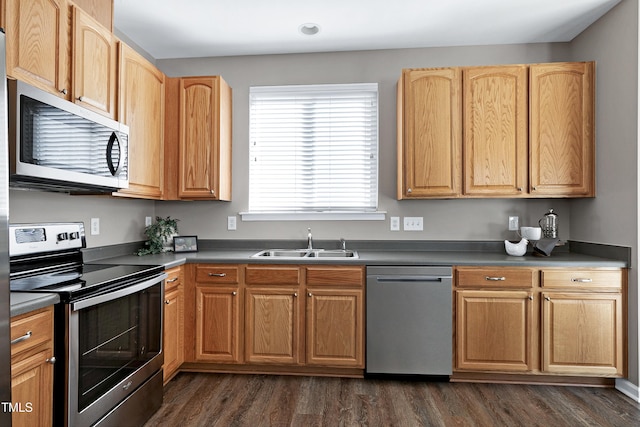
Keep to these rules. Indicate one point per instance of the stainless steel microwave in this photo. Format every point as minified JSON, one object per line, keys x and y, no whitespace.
{"x":57,"y":145}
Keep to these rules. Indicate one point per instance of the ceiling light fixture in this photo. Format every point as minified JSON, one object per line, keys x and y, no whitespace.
{"x":309,"y":29}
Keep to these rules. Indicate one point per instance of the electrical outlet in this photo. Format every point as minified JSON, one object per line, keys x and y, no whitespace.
{"x":148,"y":221}
{"x":395,"y":223}
{"x":413,"y":223}
{"x":231,"y":223}
{"x":513,"y":223}
{"x":95,"y":226}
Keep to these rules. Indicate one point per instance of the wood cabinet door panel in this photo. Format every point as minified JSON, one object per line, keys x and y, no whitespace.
{"x":141,"y":98}
{"x":218,"y":324}
{"x":38,"y":44}
{"x":493,"y":330}
{"x":335,"y":327}
{"x":32,"y":384}
{"x":198,"y":123}
{"x":272,"y":326}
{"x":561,"y":127}
{"x":495,"y":130}
{"x":582,"y":334}
{"x":94,"y":65}
{"x":429,"y":133}
{"x":173,"y":345}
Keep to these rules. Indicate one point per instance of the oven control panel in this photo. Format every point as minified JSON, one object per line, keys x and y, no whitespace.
{"x":25,"y":239}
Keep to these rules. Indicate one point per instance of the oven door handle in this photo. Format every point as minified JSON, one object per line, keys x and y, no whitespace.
{"x":123,"y":292}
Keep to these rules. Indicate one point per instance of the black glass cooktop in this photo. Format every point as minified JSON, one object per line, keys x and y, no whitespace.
{"x":84,"y":278}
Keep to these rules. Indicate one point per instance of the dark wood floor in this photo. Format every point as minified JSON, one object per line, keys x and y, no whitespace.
{"x":263,"y":400}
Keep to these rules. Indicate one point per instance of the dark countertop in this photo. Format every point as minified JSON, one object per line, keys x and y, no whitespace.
{"x":24,"y":302}
{"x":369,"y":257}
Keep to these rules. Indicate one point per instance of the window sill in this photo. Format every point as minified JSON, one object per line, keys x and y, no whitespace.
{"x":320,"y":216}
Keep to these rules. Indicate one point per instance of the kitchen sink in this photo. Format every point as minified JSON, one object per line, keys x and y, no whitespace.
{"x":306,"y":253}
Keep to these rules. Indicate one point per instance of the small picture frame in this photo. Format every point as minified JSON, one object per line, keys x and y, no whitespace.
{"x":185,"y":243}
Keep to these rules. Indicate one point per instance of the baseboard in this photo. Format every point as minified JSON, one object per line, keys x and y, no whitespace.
{"x":628,"y":388}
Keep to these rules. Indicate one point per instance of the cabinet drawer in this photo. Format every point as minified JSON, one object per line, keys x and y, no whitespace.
{"x":582,"y":278}
{"x":224,"y":274}
{"x":272,"y":275}
{"x":174,"y":278}
{"x":495,"y":277}
{"x":335,"y":275}
{"x":31,"y":329}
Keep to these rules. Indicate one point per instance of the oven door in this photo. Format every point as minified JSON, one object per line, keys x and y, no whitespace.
{"x":114,"y":346}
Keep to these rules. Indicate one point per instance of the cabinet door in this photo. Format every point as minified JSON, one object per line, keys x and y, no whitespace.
{"x":173,"y":336}
{"x":272,"y":326}
{"x":561,"y":127}
{"x":218,"y":324}
{"x":335,"y":327}
{"x":141,"y":96}
{"x":582,"y":334}
{"x":495,"y":130}
{"x":493,"y":330}
{"x":32,"y":389}
{"x":94,"y":65}
{"x":205,"y":139}
{"x":429,"y":133}
{"x":38,"y":44}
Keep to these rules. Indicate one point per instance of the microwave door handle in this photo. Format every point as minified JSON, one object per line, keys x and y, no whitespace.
{"x":112,"y":141}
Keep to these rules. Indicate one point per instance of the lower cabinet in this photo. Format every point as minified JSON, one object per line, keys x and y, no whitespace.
{"x":32,"y":368}
{"x":173,"y":343}
{"x":279,"y":315}
{"x":561,"y":322}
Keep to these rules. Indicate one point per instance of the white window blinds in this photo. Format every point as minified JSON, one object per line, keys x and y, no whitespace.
{"x":314,"y":148}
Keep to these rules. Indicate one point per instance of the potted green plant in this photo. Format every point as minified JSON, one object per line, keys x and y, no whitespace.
{"x":159,"y":234}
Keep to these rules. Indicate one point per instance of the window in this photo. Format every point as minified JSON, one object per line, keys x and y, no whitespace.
{"x":313,"y":149}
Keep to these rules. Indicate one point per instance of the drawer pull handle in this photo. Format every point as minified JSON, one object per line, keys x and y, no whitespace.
{"x":582,"y":280}
{"x":495,"y":279}
{"x":217,"y":274}
{"x":172,"y":280}
{"x":22,"y":338}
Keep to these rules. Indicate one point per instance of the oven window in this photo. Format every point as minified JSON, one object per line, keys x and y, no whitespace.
{"x":117,"y":338}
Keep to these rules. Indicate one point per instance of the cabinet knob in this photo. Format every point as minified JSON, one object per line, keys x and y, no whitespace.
{"x":80,"y":98}
{"x":63,"y":91}
{"x":51,"y":360}
{"x":167,"y":302}
{"x":213,"y":192}
{"x":234,"y":293}
{"x":535,"y":188}
{"x":409,"y":190}
{"x":295,"y":295}
{"x":530,"y":297}
{"x":310,"y":294}
{"x":547,"y":298}
{"x":519,"y":188}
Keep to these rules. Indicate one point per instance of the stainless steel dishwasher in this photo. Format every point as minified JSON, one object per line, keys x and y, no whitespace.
{"x":409,"y":320}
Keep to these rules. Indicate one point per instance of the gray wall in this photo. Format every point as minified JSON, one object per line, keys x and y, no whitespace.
{"x":444,"y":219}
{"x":612,"y":217}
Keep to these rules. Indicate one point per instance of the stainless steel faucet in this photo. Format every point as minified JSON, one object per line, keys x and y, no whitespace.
{"x":309,"y":240}
{"x":343,"y":244}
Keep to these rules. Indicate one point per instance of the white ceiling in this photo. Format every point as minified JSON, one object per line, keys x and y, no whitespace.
{"x":201,"y":28}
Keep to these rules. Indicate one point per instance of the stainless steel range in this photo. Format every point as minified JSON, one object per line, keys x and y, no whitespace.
{"x":108,"y":326}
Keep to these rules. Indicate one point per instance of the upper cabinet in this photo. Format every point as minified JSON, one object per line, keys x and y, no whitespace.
{"x":527,"y":131}
{"x":495,"y":130}
{"x":561,"y":129}
{"x":57,"y":47}
{"x":204,"y":139}
{"x":141,"y":96}
{"x":94,"y":65}
{"x":429,"y":133}
{"x":38,"y":44}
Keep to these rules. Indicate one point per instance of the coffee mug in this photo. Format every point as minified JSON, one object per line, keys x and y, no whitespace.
{"x":531,"y":233}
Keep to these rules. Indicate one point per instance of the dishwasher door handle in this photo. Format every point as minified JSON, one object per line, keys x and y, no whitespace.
{"x":396,"y":279}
